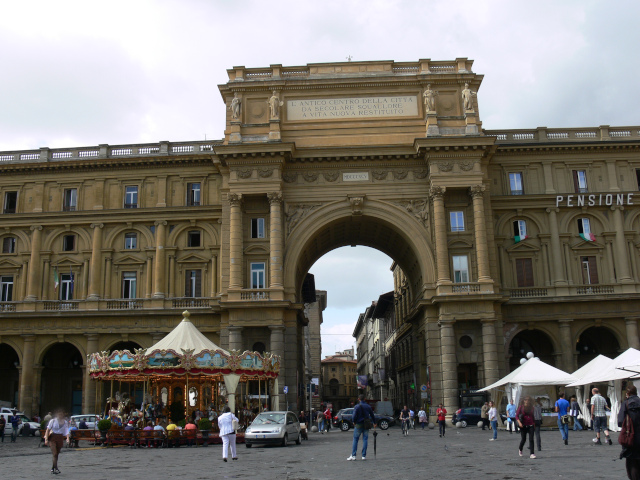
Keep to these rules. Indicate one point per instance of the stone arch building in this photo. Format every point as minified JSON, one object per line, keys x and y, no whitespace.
{"x":494,"y":233}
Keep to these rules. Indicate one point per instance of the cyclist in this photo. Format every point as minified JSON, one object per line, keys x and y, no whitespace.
{"x":404,"y":418}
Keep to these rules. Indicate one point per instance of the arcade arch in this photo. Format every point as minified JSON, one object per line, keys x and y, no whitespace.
{"x":596,"y":341}
{"x":535,"y":341}
{"x":9,"y":373}
{"x":61,"y":385}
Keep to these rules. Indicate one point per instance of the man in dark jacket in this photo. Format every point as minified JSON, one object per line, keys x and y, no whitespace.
{"x":632,"y":406}
{"x":362,"y":414}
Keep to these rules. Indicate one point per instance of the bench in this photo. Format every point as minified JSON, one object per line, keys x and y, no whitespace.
{"x":151,"y":438}
{"x":120,"y":436}
{"x":88,"y":435}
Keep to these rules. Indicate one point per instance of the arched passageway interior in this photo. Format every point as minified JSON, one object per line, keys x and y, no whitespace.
{"x":596,"y":341}
{"x":61,"y":385}
{"x":9,"y":374}
{"x":131,"y":346}
{"x":535,"y":341}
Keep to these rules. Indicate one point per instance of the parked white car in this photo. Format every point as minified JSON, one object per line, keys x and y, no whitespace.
{"x":273,"y":428}
{"x":91,"y":420}
{"x":8,"y":429}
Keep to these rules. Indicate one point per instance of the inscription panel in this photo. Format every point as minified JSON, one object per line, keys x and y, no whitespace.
{"x":360,"y":107}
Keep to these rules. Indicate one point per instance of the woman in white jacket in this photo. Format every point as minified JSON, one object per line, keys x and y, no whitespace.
{"x":228,"y":433}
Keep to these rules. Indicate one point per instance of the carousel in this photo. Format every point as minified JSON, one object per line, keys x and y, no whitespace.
{"x":185,"y":373}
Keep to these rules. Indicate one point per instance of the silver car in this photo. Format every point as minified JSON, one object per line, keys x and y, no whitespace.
{"x":273,"y":428}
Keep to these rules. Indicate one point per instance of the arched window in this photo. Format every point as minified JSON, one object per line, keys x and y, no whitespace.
{"x":259,"y":347}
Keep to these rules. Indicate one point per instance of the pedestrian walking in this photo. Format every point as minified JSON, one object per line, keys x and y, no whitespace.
{"x":562,"y":408}
{"x":574,"y":412}
{"x":327,"y":419}
{"x":441,"y":412}
{"x":511,"y":417}
{"x":57,"y":430}
{"x":228,"y":433}
{"x":422,"y":417}
{"x":587,"y":414}
{"x":363,"y":419}
{"x":599,"y":416}
{"x":15,"y":425}
{"x":412,"y":416}
{"x":526,"y":422}
{"x":3,"y":423}
{"x":484,"y":415}
{"x":537,"y":417}
{"x":492,"y":414}
{"x":631,"y":407}
{"x":320,"y":420}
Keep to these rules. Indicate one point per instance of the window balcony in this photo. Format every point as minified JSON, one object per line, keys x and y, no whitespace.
{"x":8,"y":306}
{"x":594,"y":289}
{"x":529,"y":292}
{"x":190,"y":302}
{"x":255,"y":295}
{"x":125,"y":304}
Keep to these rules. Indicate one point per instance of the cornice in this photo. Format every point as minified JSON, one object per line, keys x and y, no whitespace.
{"x":564,"y":148}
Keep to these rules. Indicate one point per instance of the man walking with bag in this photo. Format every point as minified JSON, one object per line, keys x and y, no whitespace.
{"x":599,"y":415}
{"x":363,"y":419}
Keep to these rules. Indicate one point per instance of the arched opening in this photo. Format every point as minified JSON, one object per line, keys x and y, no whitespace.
{"x":9,"y":363}
{"x":596,"y":341}
{"x":535,"y":341}
{"x":258,"y":347}
{"x":61,"y":385}
{"x":122,"y":345}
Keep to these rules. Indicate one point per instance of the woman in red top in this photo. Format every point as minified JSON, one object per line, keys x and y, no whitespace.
{"x":526,"y":422}
{"x":441,"y":412}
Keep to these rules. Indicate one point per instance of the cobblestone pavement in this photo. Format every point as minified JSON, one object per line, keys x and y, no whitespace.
{"x":460,"y":454}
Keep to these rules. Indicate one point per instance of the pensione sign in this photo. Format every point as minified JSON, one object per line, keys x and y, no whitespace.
{"x":594,"y":200}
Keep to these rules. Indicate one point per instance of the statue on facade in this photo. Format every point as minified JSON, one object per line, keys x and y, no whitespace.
{"x":274,"y":105}
{"x":467,"y":98}
{"x":235,"y":107}
{"x":430,"y":99}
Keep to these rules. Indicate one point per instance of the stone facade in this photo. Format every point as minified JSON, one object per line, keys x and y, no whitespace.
{"x":339,"y":380}
{"x":313,"y":341}
{"x":505,"y":240}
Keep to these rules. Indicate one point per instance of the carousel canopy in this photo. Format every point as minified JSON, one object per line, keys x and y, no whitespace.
{"x":186,"y":337}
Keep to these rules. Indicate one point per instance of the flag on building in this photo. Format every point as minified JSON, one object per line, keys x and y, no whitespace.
{"x":588,"y":237}
{"x":520,"y":238}
{"x":56,"y":280}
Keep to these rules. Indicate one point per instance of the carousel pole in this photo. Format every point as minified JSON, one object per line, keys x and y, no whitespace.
{"x":259,"y":397}
{"x":188,"y":397}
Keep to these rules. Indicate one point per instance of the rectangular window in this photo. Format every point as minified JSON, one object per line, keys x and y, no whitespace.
{"x":638,"y":177}
{"x":131,"y":196}
{"x":68,"y":243}
{"x":589,"y":270}
{"x":460,"y":269}
{"x":457,"y":221}
{"x":66,"y":286}
{"x":193,"y":239}
{"x":193,"y":283}
{"x":515,"y":184}
{"x":193,"y":194}
{"x":257,"y":275}
{"x":6,"y":288}
{"x":584,"y":226}
{"x":10,"y":202}
{"x":520,"y":229}
{"x":257,"y":228}
{"x":70,"y":200}
{"x":9,"y":245}
{"x":580,"y":181}
{"x":524,"y":272}
{"x":129,"y":284}
{"x":130,"y":241}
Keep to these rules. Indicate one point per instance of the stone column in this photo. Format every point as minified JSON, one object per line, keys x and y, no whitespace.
{"x":35,"y":279}
{"x":482,"y":252}
{"x":172,"y":280}
{"x":85,"y":279}
{"x":276,"y":239}
{"x":149,"y":277}
{"x":277,"y":348}
{"x":214,"y":275}
{"x":45,"y":280}
{"x":235,"y":338}
{"x":449,"y":366}
{"x":107,"y":279}
{"x":556,"y":249}
{"x":23,"y":280}
{"x":89,"y":387}
{"x":440,"y":221}
{"x":632,"y":332}
{"x":490,"y":352}
{"x":622,"y":264}
{"x":569,"y":264}
{"x":160,"y":274}
{"x":96,"y":262}
{"x":567,"y":345}
{"x":236,"y":240}
{"x":25,"y":402}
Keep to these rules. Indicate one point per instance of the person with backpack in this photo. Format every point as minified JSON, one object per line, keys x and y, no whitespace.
{"x":629,"y":437}
{"x":363,"y":419}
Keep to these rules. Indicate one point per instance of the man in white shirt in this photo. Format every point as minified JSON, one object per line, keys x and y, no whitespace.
{"x":411,"y":418}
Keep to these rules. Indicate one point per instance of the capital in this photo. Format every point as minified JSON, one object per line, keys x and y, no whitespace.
{"x":97,"y":225}
{"x":235,"y":199}
{"x":275,"y":198}
{"x":436,"y":191}
{"x":477,"y":190}
{"x":160,"y":222}
{"x":552,"y":210}
{"x":36,"y":227}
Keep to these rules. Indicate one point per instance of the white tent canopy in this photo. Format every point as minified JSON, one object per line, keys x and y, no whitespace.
{"x":185,"y":336}
{"x":595,"y":367}
{"x":611,"y":371}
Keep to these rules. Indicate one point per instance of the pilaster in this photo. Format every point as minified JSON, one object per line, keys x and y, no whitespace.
{"x":34,"y":282}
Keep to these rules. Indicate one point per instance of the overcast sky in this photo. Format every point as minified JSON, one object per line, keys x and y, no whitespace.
{"x":85,"y":73}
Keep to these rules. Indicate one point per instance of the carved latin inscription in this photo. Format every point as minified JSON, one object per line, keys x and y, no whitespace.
{"x":364,"y":107}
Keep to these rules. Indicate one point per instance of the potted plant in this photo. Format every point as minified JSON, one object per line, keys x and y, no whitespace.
{"x":104,"y":426}
{"x":204,"y":425}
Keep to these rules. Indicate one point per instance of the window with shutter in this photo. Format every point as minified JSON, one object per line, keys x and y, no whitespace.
{"x":580,"y":181}
{"x":193,"y":283}
{"x":524,"y":272}
{"x":589,"y":270}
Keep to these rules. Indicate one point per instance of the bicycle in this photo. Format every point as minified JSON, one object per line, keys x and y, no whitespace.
{"x":405,"y":426}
